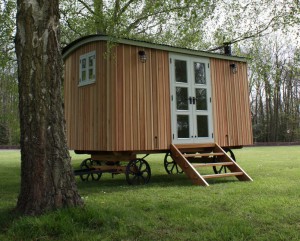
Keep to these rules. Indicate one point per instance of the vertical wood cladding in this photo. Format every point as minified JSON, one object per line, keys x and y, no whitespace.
{"x":127,"y":108}
{"x":85,"y":106}
{"x":231,"y":108}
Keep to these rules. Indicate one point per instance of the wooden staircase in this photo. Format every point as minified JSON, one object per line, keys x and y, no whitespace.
{"x":192,"y":156}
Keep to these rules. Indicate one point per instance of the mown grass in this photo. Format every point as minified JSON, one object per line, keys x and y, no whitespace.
{"x":169,"y":207}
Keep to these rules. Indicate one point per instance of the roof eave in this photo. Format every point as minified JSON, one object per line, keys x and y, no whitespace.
{"x":94,"y":38}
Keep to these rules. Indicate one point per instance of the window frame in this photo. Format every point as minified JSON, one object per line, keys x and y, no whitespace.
{"x":87,"y":68}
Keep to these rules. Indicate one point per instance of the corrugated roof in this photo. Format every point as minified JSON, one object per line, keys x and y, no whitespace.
{"x":144,"y":44}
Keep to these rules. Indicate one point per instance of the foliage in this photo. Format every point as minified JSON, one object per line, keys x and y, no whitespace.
{"x":274,"y":89}
{"x":159,"y":21}
{"x":169,"y":207}
{"x":8,"y":78}
{"x":266,"y":33}
{"x":4,"y":135}
{"x":237,"y":21}
{"x":198,"y":24}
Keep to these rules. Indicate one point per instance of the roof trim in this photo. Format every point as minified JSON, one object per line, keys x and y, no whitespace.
{"x":95,"y":38}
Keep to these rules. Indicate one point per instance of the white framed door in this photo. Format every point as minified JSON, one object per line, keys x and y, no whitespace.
{"x":191,"y":108}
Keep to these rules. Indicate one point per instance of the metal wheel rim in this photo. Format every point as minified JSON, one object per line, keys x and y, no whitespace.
{"x":138,"y":172}
{"x":223,"y":169}
{"x":171,"y":167}
{"x":86,"y":164}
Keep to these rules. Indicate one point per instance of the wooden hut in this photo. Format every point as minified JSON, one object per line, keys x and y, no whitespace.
{"x":124,"y":97}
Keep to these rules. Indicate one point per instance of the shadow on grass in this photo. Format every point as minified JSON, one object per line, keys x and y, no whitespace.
{"x":8,"y":216}
{"x":119,"y":183}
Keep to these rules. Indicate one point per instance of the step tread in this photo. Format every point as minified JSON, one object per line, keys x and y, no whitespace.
{"x":194,"y":146}
{"x":204,"y":154}
{"x":230,"y":174}
{"x":212,"y":164}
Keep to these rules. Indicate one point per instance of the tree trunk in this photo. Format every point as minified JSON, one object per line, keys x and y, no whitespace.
{"x":47,"y":180}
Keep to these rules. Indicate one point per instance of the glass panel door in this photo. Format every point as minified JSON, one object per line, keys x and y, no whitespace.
{"x":190,"y":99}
{"x":202,"y":109}
{"x":182,"y":109}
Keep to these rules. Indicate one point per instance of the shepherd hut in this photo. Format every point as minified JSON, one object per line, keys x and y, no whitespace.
{"x":126,"y":97}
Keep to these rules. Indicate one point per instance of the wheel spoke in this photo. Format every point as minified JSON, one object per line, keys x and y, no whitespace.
{"x":144,"y":168}
{"x":172,"y":168}
{"x":219,"y":170}
{"x":144,"y":179}
{"x":170,"y":165}
{"x":87,"y":165}
{"x":138,"y":172}
{"x":87,"y":177}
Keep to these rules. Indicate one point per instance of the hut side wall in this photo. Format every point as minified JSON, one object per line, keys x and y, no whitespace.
{"x":231,"y":107}
{"x":85,"y":106}
{"x":140,"y":100}
{"x":127,"y":108}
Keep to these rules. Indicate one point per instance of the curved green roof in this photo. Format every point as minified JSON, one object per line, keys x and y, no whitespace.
{"x":94,"y":38}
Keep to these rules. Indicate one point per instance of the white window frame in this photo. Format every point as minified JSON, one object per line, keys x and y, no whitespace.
{"x":88,"y":67}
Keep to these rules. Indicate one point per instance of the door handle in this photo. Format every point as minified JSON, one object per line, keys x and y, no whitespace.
{"x":192,"y":100}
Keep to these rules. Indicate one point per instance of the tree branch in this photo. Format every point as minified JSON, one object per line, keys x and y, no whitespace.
{"x":87,"y":6}
{"x":246,"y":36}
{"x":143,"y":17}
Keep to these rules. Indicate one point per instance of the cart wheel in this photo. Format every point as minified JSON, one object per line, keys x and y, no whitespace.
{"x":88,"y":164}
{"x":222,"y":169}
{"x":170,"y":165}
{"x":138,"y":172}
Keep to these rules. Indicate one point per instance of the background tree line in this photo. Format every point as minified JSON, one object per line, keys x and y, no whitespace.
{"x":9,"y":119}
{"x":266,"y":32}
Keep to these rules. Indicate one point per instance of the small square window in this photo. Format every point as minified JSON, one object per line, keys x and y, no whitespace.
{"x":87,"y":70}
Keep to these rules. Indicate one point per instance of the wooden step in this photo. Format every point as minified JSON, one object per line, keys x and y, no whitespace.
{"x":194,"y":146}
{"x":230,"y":174}
{"x":204,"y":154}
{"x":187,"y":167}
{"x":212,"y":164}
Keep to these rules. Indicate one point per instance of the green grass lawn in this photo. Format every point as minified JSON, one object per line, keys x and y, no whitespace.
{"x":169,"y":207}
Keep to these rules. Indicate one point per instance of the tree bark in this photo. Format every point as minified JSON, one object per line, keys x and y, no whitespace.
{"x":47,"y":180}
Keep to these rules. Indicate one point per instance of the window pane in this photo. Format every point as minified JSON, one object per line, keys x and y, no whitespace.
{"x":91,"y":74}
{"x":180,"y":71}
{"x":83,"y":63}
{"x":202,"y":125}
{"x":83,"y":75}
{"x":201,"y":99}
{"x":199,"y":69}
{"x":91,"y":61}
{"x":183,"y":130}
{"x":182,"y":98}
